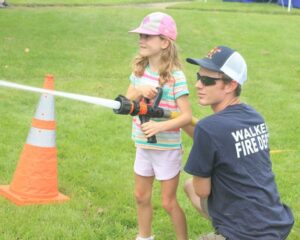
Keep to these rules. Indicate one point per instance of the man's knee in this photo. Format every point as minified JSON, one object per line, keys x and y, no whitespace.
{"x":188,"y":187}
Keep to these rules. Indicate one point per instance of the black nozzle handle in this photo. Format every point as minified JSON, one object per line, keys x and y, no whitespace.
{"x":144,"y":119}
{"x":157,"y":97}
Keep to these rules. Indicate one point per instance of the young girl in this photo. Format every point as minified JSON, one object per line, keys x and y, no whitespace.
{"x":157,"y":65}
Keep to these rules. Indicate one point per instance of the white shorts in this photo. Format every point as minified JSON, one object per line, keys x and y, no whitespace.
{"x":163,"y":164}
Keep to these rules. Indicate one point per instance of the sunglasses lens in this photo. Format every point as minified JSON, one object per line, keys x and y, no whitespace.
{"x":206,"y":81}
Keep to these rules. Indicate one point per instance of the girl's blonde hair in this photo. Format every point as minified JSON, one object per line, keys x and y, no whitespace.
{"x":169,"y":61}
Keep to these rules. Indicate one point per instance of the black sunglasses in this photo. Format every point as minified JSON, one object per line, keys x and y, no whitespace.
{"x":207,"y":81}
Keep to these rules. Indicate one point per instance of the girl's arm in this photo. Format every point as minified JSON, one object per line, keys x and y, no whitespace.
{"x":184,"y":118}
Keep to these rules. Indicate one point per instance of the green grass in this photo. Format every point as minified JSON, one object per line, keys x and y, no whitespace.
{"x":89,"y":51}
{"x":80,"y":2}
{"x":231,"y":7}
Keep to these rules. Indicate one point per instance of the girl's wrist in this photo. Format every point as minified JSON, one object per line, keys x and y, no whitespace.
{"x":139,"y":92}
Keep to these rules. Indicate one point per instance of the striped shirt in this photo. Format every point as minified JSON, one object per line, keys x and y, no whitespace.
{"x":172,"y":90}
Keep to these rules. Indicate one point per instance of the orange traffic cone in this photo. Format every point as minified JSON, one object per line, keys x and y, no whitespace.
{"x":35,"y":179}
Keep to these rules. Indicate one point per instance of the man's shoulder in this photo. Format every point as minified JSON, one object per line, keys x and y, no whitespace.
{"x":235,"y":111}
{"x":230,"y":117}
{"x":209,"y":123}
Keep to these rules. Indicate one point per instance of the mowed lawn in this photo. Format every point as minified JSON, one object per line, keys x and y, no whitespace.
{"x":80,"y":2}
{"x":89,"y":51}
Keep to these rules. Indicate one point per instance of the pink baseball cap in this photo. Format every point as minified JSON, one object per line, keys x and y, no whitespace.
{"x":158,"y":23}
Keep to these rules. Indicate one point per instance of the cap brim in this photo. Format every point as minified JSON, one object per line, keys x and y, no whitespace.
{"x":205,"y":63}
{"x":143,"y":31}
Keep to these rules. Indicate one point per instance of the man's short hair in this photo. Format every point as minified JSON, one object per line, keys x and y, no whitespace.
{"x":238,"y":89}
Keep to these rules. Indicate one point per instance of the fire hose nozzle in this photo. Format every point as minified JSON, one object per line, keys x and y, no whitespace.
{"x":126,"y":106}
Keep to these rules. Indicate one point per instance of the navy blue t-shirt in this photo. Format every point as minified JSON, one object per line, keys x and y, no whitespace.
{"x":232,"y":148}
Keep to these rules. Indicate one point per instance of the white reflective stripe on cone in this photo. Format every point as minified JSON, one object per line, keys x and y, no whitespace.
{"x":45,"y":110}
{"x":41,"y":137}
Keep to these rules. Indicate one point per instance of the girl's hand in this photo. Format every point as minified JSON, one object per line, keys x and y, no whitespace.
{"x":151,"y":128}
{"x":147,"y":91}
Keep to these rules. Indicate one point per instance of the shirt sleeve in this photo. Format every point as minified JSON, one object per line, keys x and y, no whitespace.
{"x":201,"y":159}
{"x":180,"y":85}
{"x":132,"y":79}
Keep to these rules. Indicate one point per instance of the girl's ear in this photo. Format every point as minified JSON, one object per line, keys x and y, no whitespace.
{"x":165,"y":43}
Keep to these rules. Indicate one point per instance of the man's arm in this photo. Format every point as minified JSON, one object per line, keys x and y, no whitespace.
{"x":202,"y":186}
{"x":198,"y":190}
{"x":189,"y":129}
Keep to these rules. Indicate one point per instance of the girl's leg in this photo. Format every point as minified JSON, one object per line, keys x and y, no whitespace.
{"x":143,"y":193}
{"x":170,"y":204}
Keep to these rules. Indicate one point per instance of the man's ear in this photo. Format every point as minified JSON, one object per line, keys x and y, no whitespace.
{"x":231,"y":86}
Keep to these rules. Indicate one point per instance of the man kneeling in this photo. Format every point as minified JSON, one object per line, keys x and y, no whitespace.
{"x":233,"y":183}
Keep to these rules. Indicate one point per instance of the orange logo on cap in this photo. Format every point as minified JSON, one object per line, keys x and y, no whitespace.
{"x":213,"y":52}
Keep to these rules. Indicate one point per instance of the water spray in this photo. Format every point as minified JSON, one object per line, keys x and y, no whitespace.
{"x":93,"y":100}
{"x":121,"y":105}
